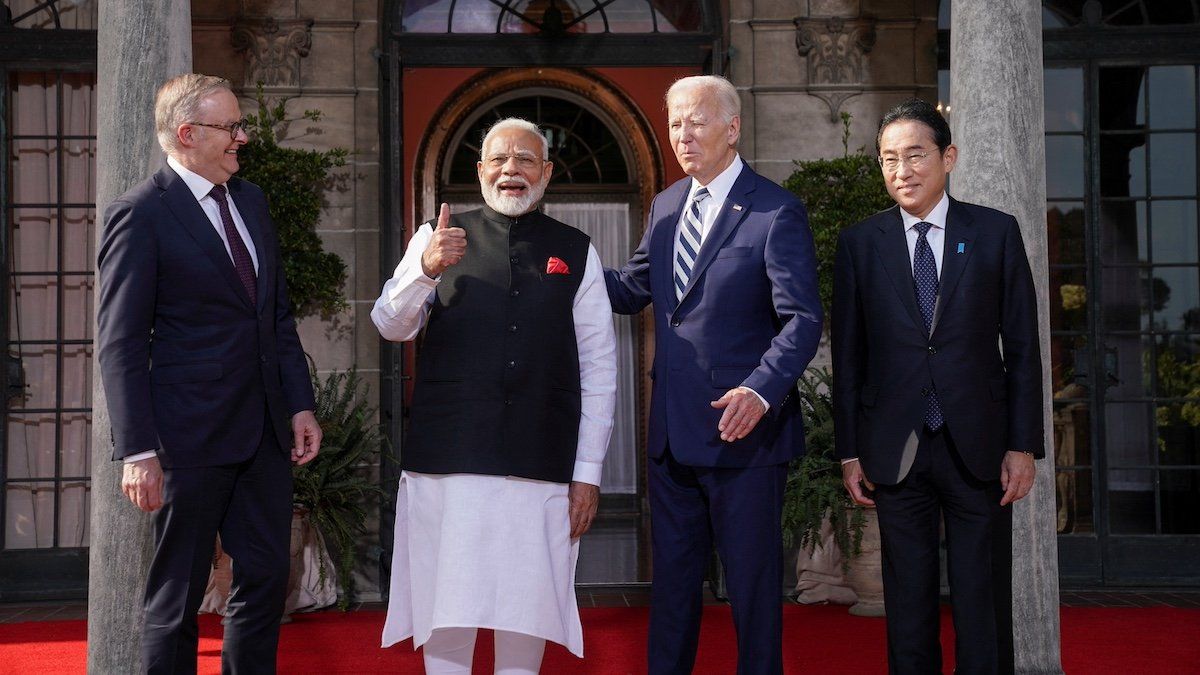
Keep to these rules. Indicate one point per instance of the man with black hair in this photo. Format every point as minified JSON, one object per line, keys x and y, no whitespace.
{"x":937,"y":395}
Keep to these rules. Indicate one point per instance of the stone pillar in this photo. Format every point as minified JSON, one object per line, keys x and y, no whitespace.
{"x":142,"y":43}
{"x":997,"y":120}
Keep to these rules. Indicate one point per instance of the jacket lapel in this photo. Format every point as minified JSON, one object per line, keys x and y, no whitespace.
{"x":959,"y":232}
{"x":664,"y":232}
{"x":254,"y":214}
{"x":892,"y":248}
{"x":732,"y":213}
{"x":185,"y":208}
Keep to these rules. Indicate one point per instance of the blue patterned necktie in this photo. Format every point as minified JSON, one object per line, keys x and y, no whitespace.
{"x":689,"y":243}
{"x":925,"y":281}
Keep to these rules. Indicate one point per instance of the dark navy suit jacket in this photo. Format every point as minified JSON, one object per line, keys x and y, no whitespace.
{"x":750,"y":316}
{"x":190,"y":367}
{"x":885,"y":365}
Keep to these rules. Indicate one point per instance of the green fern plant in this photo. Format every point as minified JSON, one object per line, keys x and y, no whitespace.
{"x":336,"y":487}
{"x":814,"y":489}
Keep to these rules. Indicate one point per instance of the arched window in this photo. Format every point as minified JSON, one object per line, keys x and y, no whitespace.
{"x":551,"y":17}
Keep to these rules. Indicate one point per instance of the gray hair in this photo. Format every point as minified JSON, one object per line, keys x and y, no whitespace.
{"x":178,"y":101}
{"x":725,"y":95}
{"x":515,"y":123}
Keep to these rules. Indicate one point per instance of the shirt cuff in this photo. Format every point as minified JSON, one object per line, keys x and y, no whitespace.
{"x":849,"y":459}
{"x":587,"y":472}
{"x":760,"y":397}
{"x":140,"y":456}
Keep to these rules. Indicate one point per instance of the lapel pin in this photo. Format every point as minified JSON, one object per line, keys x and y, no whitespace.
{"x":737,"y":207}
{"x":961,"y":247}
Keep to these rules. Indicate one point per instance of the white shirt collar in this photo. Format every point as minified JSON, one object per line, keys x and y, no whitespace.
{"x":936,"y":217}
{"x":199,"y":185}
{"x":719,"y":187}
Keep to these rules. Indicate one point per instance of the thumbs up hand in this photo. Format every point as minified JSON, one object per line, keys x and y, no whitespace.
{"x":446,"y":248}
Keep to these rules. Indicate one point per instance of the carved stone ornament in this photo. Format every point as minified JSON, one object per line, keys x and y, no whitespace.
{"x":836,"y":50}
{"x":272,"y":49}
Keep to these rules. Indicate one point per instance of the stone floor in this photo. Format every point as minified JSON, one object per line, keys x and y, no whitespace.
{"x":639,"y":596}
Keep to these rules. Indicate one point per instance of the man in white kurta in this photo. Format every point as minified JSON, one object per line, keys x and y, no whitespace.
{"x":482,"y":550}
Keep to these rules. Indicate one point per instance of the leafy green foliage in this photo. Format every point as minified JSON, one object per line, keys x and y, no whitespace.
{"x":294,"y":181}
{"x":838,"y":193}
{"x":814,"y":489}
{"x":336,"y":486}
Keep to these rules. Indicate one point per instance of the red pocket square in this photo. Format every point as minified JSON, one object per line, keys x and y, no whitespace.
{"x":556,"y":266}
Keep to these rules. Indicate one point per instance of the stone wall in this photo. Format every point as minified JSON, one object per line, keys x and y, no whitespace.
{"x":319,"y":55}
{"x":798,"y":63}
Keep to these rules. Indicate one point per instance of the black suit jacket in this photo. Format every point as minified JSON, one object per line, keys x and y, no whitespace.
{"x":190,"y":367}
{"x":983,"y":357}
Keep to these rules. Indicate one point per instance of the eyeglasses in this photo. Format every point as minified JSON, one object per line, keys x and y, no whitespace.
{"x":523,"y":161}
{"x":233,"y":129}
{"x":913,"y":161}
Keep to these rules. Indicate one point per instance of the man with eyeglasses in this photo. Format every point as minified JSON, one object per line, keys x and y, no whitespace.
{"x":937,"y":395}
{"x":511,"y":413}
{"x":207,"y":385}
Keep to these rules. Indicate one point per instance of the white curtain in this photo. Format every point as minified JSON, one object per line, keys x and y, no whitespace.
{"x":53,"y":380}
{"x":608,"y":226}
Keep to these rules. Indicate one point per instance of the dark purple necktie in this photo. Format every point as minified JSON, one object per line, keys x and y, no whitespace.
{"x":243,"y":264}
{"x":925,"y":281}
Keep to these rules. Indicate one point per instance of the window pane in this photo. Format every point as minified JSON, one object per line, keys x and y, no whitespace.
{"x":79,"y":104}
{"x":1176,"y":292}
{"x":1126,"y":299}
{"x":30,"y":451}
{"x":1173,"y":165}
{"x":40,"y":369}
{"x":1064,"y":167}
{"x":1073,"y":496}
{"x":76,"y":436}
{"x":1122,"y":165}
{"x":34,"y":104}
{"x":1123,"y":232}
{"x":34,"y":171}
{"x":1131,"y":501}
{"x":34,"y":238}
{"x":29,"y":515}
{"x":1064,"y":99}
{"x":1070,"y":365}
{"x":33,"y":303}
{"x":1068,"y":299}
{"x":1179,"y":501}
{"x":1065,"y":230}
{"x":1173,"y":97}
{"x":74,"y":514}
{"x":1121,"y":99}
{"x":1127,"y":429}
{"x":1173,"y":231}
{"x":76,"y":376}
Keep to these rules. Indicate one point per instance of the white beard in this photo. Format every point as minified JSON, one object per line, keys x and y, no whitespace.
{"x":513,"y":206}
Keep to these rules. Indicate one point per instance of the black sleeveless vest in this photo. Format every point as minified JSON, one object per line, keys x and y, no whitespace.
{"x":497,"y":386}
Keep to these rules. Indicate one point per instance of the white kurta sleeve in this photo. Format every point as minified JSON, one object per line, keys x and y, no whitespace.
{"x":597,"y":343}
{"x":403,"y":306}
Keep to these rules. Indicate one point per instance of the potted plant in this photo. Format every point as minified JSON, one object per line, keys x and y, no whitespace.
{"x":838,"y":192}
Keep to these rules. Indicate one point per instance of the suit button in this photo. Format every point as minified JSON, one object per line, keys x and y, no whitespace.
{"x":515,"y":292}
{"x":513,"y":259}
{"x":263,"y":358}
{"x":512,"y":328}
{"x":512,"y":364}
{"x":676,"y":323}
{"x":932,"y":349}
{"x":508,"y":401}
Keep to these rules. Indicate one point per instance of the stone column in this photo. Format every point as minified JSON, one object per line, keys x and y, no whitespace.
{"x":997,"y":120}
{"x":142,"y":43}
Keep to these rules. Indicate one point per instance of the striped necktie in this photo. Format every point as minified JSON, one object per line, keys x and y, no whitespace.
{"x":689,"y":243}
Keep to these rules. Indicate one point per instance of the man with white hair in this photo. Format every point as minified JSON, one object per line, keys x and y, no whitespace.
{"x":207,"y":384}
{"x":511,"y":413}
{"x":728,"y":263}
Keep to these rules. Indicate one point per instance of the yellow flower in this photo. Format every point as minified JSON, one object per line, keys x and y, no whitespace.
{"x":1074,"y":296}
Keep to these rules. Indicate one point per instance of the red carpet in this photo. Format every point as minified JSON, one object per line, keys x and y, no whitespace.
{"x":821,"y":639}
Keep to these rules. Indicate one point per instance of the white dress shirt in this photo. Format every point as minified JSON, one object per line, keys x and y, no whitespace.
{"x":200,"y":187}
{"x":936,"y":235}
{"x":403,"y":307}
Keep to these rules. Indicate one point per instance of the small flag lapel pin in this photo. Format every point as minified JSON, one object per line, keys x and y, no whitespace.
{"x":962,"y":246}
{"x":737,"y":207}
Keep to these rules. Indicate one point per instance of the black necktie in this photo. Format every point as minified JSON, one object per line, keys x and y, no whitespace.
{"x":242,"y":262}
{"x":925,"y":280}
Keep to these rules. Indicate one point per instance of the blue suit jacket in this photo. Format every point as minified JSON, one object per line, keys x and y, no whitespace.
{"x":885,"y":365}
{"x":190,"y":367}
{"x":750,"y":316}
